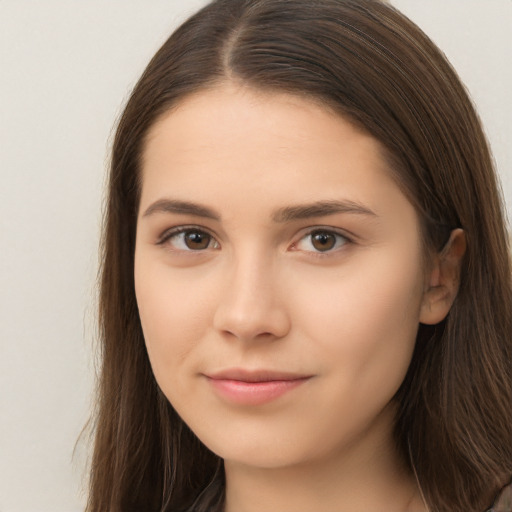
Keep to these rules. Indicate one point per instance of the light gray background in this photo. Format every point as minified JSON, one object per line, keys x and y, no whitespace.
{"x":66,"y":67}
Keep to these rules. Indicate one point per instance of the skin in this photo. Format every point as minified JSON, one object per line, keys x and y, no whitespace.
{"x":259,"y":294}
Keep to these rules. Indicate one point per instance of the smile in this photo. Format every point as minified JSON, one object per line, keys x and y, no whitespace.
{"x":254,"y":387}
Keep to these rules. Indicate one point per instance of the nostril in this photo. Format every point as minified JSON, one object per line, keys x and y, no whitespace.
{"x":252,"y":321}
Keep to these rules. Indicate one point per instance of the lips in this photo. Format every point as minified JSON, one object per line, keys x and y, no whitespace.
{"x":254,"y":387}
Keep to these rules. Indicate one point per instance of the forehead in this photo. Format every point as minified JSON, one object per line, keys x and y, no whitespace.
{"x":233,"y":120}
{"x":235,"y":141}
{"x":230,"y":113}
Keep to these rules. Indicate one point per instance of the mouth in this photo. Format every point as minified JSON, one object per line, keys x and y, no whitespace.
{"x":254,"y":387}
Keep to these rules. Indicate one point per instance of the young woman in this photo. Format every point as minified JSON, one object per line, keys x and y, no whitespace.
{"x":306,"y":290}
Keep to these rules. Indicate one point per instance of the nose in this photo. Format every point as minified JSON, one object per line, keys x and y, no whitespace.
{"x":251,"y":305}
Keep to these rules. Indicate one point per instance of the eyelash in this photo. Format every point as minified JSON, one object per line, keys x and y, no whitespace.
{"x":341,"y":239}
{"x":174,"y":232}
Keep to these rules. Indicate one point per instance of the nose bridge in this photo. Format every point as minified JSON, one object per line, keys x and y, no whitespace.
{"x":250,"y":305}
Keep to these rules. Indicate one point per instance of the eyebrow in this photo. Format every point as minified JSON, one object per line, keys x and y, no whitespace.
{"x":282,"y":215}
{"x":321,"y":209}
{"x":181,"y":207}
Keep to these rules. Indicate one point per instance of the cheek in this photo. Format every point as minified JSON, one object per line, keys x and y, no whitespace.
{"x":174,"y":316}
{"x":365,"y":317}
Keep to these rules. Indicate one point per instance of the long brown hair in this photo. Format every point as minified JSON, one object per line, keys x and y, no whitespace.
{"x":376,"y":68}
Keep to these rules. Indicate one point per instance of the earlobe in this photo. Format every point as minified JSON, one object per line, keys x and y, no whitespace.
{"x":443,"y":281}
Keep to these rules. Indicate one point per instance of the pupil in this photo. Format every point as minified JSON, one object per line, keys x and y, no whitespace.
{"x":323,"y":241}
{"x":197,"y":240}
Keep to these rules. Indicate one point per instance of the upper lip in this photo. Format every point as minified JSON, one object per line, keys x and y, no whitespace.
{"x":245,"y":375}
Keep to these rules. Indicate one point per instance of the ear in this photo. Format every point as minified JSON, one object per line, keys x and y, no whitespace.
{"x":442,"y":283}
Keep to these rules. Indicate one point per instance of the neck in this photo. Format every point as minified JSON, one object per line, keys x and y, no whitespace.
{"x":368,"y":475}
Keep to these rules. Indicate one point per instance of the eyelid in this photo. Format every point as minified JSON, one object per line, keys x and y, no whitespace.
{"x":170,"y":232}
{"x":349,"y":238}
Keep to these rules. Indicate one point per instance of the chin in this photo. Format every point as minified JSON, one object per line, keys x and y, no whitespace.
{"x":264,"y":447}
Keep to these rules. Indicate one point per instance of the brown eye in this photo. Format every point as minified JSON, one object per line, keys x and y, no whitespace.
{"x":196,"y":240}
{"x":189,"y":239}
{"x":323,"y":240}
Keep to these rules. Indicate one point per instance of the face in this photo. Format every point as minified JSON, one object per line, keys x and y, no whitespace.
{"x":278,"y":274}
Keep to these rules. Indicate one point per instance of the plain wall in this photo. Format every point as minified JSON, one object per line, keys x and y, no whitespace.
{"x":66,"y":68}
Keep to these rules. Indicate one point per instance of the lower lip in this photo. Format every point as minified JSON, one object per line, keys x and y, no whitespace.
{"x":254,"y":393}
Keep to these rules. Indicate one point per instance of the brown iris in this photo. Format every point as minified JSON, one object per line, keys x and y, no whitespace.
{"x":196,"y":240}
{"x":323,"y":240}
